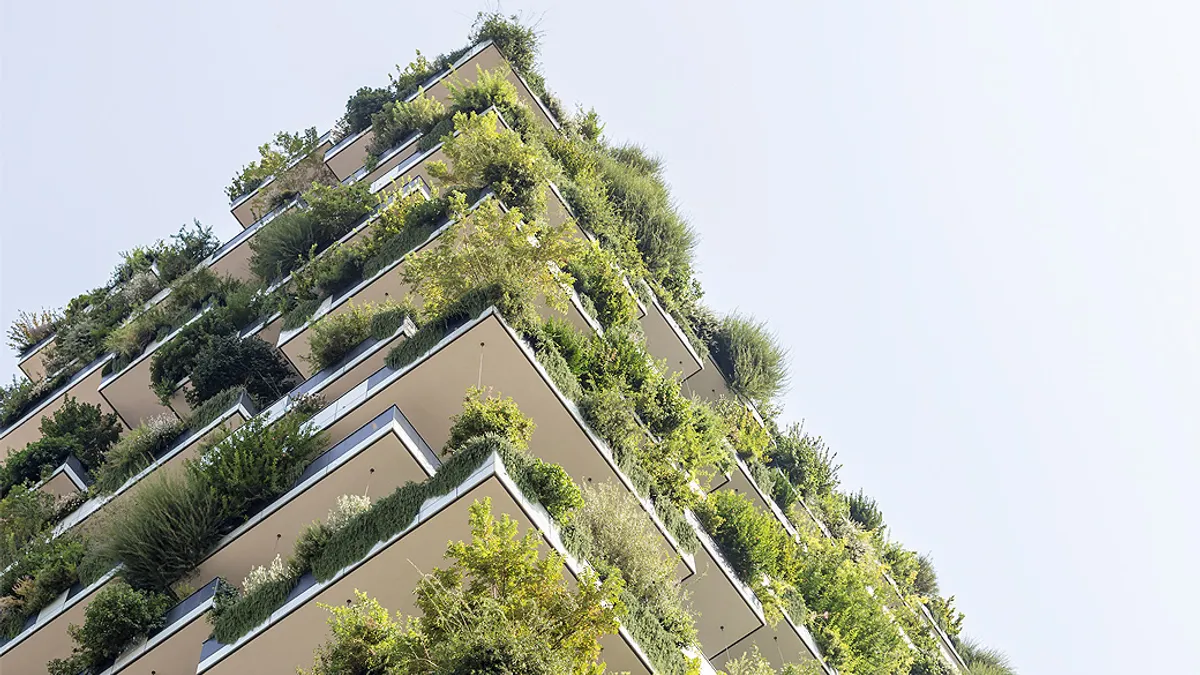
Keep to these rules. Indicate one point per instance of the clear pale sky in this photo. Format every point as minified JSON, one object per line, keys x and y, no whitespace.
{"x":973,"y":226}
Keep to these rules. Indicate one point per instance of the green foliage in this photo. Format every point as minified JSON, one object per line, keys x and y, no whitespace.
{"x":500,"y":607}
{"x":754,"y":663}
{"x":983,"y":660}
{"x":247,"y":468}
{"x":614,"y":534}
{"x":216,"y":405}
{"x":76,"y":428}
{"x":87,"y":427}
{"x":274,"y":157}
{"x":293,"y":237}
{"x":753,"y":542}
{"x":19,"y":397}
{"x":114,"y":620}
{"x":597,"y":277}
{"x":160,"y":537}
{"x":396,"y":121}
{"x":926,"y":581}
{"x":334,"y":336}
{"x":226,"y":361}
{"x":847,"y":619}
{"x":808,"y":463}
{"x":30,"y":328}
{"x":516,"y":41}
{"x":363,"y":105}
{"x":185,"y":249}
{"x":24,"y":514}
{"x":865,"y":511}
{"x":749,"y":438}
{"x":947,"y":617}
{"x":485,"y":413}
{"x":752,"y":358}
{"x":489,"y":246}
{"x":485,"y":154}
{"x":45,"y":569}
{"x":135,"y":451}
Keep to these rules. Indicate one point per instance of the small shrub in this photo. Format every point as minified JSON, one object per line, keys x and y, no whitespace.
{"x":91,"y":430}
{"x":597,"y":277}
{"x":161,"y":536}
{"x":484,"y":154}
{"x":261,"y":575}
{"x":752,"y":359}
{"x":749,"y":438}
{"x":24,"y":514}
{"x":293,"y":237}
{"x":613,"y":532}
{"x":753,"y":542}
{"x":274,"y":157}
{"x":361,"y":107}
{"x":186,"y":249}
{"x":115,"y":619}
{"x":516,"y":41}
{"x":203,"y":414}
{"x":334,"y":336}
{"x":484,"y":414}
{"x":984,"y":660}
{"x":806,"y":460}
{"x":30,"y":328}
{"x":554,"y":489}
{"x":396,"y":121}
{"x":136,"y":450}
{"x":865,"y":511}
{"x":248,"y":468}
{"x":495,"y":250}
{"x":227,"y":361}
{"x":28,"y":465}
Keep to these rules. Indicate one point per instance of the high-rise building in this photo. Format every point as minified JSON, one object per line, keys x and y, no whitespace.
{"x":458,"y":295}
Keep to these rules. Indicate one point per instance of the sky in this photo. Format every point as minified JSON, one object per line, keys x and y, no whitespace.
{"x":973,"y":225}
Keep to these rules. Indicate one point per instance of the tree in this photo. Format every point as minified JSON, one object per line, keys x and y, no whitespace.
{"x":484,"y":154}
{"x":492,"y":246}
{"x":500,"y":608}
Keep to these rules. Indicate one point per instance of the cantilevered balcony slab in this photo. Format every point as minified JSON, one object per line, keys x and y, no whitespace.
{"x":176,"y":646}
{"x":303,"y":171}
{"x":741,"y":481}
{"x":169,"y":462}
{"x":44,"y":636}
{"x":351,"y":152}
{"x":83,"y":387}
{"x":486,"y":352}
{"x":730,"y":619}
{"x":32,"y":362}
{"x":666,"y":341}
{"x":389,"y":573}
{"x":233,"y":258}
{"x":70,"y":478}
{"x":388,"y":285}
{"x":707,"y":384}
{"x":430,"y":391}
{"x":373,"y":461}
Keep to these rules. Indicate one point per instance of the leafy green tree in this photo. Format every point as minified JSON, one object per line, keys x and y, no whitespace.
{"x":491,"y":246}
{"x":485,"y":154}
{"x":499,"y":608}
{"x":117,"y":617}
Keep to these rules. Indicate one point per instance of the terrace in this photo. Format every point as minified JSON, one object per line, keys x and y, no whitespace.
{"x":82,"y":386}
{"x":388,"y":573}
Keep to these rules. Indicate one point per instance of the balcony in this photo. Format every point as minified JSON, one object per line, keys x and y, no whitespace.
{"x":374,"y":460}
{"x":730,"y":620}
{"x":44,"y":636}
{"x":70,"y":478}
{"x":389,"y":572}
{"x":169,"y":461}
{"x":83,"y":386}
{"x":388,"y":284}
{"x":665,"y":340}
{"x":349,"y":155}
{"x":33,"y":361}
{"x":176,"y":646}
{"x":253,"y":205}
